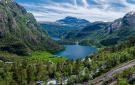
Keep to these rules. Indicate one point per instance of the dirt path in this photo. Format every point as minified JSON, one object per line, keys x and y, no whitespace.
{"x":110,"y":74}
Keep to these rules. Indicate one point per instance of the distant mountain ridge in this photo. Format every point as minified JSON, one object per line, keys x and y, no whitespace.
{"x":72,"y":20}
{"x":107,"y":33}
{"x":64,"y":26}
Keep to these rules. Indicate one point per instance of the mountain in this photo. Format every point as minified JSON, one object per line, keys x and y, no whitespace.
{"x":73,"y":21}
{"x":19,"y":31}
{"x":64,"y":26}
{"x":120,"y":30}
{"x":88,"y":30}
{"x":95,"y":26}
{"x":107,"y":33}
{"x":125,"y":22}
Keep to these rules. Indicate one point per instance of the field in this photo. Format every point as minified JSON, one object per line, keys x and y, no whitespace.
{"x":35,"y":57}
{"x":44,"y":56}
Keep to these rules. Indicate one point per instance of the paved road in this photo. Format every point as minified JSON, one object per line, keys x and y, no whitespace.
{"x":113,"y":72}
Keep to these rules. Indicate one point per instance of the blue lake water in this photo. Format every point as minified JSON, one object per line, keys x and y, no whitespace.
{"x":56,"y":38}
{"x":76,"y":51}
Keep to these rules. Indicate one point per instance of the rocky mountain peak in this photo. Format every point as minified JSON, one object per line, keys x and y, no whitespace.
{"x":129,"y":19}
{"x":130,"y":14}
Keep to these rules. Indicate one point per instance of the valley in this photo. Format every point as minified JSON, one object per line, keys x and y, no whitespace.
{"x":68,"y":51}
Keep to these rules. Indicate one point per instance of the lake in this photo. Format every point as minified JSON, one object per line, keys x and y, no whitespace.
{"x":56,"y":38}
{"x":76,"y":51}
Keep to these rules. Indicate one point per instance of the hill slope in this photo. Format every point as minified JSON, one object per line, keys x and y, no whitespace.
{"x":19,"y":30}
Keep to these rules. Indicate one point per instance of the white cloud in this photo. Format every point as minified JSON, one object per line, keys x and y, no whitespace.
{"x":103,"y":10}
{"x":85,"y":3}
{"x":75,"y":3}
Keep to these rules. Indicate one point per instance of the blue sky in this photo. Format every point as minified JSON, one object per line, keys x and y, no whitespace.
{"x":92,"y":10}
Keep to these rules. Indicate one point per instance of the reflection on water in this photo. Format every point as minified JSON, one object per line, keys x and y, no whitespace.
{"x":76,"y":51}
{"x":55,"y":38}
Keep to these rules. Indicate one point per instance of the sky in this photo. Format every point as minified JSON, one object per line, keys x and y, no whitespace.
{"x":92,"y":10}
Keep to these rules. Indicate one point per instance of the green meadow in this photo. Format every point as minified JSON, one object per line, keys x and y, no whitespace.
{"x":35,"y":57}
{"x":44,"y":56}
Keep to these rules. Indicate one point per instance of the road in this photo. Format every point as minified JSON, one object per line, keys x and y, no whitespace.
{"x":99,"y":80}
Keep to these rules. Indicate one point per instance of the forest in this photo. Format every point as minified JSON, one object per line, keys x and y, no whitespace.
{"x":16,"y":70}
